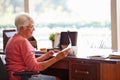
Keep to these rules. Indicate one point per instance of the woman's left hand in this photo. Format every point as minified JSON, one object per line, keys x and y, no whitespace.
{"x":52,"y":52}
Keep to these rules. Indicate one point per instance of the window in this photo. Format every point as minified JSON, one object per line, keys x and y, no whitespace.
{"x":8,"y":10}
{"x":91,"y":18}
{"x":94,"y":27}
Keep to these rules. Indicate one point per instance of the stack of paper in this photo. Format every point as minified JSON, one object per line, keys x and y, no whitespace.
{"x":97,"y":57}
{"x":115,"y":55}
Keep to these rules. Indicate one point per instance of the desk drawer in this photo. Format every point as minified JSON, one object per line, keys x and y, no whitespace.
{"x":61,"y":65}
{"x":84,"y":71}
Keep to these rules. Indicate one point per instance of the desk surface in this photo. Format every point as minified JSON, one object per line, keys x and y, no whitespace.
{"x":86,"y":53}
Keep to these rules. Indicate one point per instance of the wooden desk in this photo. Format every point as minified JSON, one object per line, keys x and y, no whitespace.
{"x":85,"y":69}
{"x":78,"y":68}
{"x":73,"y":68}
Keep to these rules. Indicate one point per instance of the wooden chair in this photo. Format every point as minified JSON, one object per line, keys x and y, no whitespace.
{"x":4,"y":75}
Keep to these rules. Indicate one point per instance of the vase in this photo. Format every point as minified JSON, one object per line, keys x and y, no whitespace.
{"x":53,"y":44}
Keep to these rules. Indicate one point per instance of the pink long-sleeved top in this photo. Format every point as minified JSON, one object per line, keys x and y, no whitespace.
{"x":20,"y":56}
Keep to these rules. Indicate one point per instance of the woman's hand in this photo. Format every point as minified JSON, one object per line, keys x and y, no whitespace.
{"x":47,"y":55}
{"x":62,"y":54}
{"x":52,"y":52}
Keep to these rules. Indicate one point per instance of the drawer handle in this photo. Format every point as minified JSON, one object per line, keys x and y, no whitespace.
{"x":82,"y":72}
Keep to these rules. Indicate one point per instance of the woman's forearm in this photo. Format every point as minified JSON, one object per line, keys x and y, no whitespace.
{"x":43,"y":57}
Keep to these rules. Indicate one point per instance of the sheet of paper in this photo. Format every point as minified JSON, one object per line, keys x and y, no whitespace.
{"x":68,"y":47}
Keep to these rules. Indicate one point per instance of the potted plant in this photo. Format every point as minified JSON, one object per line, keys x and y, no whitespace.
{"x":52,"y":38}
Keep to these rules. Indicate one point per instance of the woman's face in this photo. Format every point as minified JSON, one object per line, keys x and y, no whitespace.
{"x":29,"y":30}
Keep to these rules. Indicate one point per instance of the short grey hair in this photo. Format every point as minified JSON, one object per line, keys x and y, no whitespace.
{"x":22,"y":19}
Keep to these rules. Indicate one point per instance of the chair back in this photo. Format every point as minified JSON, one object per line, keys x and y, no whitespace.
{"x":3,"y":71}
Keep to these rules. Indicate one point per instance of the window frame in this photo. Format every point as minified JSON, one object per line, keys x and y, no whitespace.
{"x":114,"y":31}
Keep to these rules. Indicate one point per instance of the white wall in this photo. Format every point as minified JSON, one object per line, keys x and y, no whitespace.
{"x":118,"y":23}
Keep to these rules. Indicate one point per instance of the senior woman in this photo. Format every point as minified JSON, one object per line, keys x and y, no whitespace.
{"x":20,"y":53}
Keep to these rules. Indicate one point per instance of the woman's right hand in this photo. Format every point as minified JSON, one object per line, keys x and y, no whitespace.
{"x":62,"y":54}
